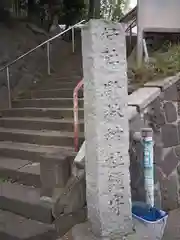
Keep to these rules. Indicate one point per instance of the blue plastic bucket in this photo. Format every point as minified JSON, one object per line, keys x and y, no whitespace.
{"x":149,"y":222}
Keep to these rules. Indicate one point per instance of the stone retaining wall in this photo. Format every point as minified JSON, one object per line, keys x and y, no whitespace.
{"x":157,"y":105}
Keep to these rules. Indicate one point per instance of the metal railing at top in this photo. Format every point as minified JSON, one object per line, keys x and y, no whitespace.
{"x":131,"y":25}
{"x":7,"y":66}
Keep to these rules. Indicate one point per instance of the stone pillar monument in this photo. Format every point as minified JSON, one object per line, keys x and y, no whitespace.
{"x":106,"y":132}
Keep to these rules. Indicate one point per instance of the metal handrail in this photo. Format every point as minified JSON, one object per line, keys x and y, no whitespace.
{"x":131,"y":25}
{"x":76,"y":118}
{"x":37,"y":47}
{"x":40,"y":45}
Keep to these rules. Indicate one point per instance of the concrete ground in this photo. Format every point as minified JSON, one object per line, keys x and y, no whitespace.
{"x":172,"y":231}
{"x":68,"y":236}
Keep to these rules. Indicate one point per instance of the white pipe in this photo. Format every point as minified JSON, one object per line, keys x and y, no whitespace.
{"x":147,"y":137}
{"x":146,"y":58}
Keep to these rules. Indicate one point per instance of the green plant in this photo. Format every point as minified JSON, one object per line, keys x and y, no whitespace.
{"x":2,"y":180}
{"x":113,"y":9}
{"x":162,"y":64}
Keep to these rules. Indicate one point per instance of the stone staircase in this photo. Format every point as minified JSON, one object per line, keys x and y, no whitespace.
{"x":36,"y":154}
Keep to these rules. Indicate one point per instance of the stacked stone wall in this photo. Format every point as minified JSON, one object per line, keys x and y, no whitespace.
{"x":162,"y":113}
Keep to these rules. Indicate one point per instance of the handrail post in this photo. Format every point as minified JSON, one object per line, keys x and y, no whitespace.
{"x":9,"y":87}
{"x":73,"y":40}
{"x":48,"y":58}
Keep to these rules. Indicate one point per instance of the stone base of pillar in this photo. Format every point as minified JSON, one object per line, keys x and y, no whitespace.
{"x":83,"y":232}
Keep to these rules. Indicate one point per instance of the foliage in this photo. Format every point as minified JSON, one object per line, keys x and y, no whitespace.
{"x":162,"y":64}
{"x":72,"y":11}
{"x":4,"y":14}
{"x":68,"y":11}
{"x":113,"y":9}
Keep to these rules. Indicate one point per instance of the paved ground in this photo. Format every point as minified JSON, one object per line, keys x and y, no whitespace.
{"x":68,"y":236}
{"x":172,"y":231}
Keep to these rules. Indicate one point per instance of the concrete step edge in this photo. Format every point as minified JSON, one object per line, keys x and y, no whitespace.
{"x":16,"y":227}
{"x":41,"y":109}
{"x":54,"y":89}
{"x":43,"y":119}
{"x":40,"y":124}
{"x":54,"y":113}
{"x":35,"y":152}
{"x":21,"y":171}
{"x":33,"y":147}
{"x":25,"y":201}
{"x":45,"y":133}
{"x":45,"y":99}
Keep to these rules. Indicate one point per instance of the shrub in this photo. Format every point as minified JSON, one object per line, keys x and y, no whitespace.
{"x":161,"y":64}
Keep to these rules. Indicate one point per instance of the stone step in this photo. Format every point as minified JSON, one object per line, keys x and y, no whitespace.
{"x":36,"y":153}
{"x":58,"y":113}
{"x":45,"y":137}
{"x":40,"y":124}
{"x":55,"y":93}
{"x":58,"y":78}
{"x":56,"y":85}
{"x":65,"y":78}
{"x":21,"y":171}
{"x":16,"y":227}
{"x":25,"y":201}
{"x":46,"y":103}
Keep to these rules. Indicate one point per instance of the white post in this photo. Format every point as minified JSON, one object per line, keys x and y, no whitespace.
{"x":106,"y":130}
{"x":147,"y":137}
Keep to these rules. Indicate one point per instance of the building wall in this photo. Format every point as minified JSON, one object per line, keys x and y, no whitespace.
{"x":156,"y":15}
{"x":159,"y":14}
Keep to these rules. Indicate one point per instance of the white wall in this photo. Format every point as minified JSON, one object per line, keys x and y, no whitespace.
{"x":159,"y":14}
{"x":133,"y":3}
